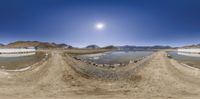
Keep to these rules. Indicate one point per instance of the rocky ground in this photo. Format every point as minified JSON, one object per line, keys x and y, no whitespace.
{"x":60,"y":77}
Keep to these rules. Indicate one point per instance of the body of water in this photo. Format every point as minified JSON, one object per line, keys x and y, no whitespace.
{"x":18,"y":61}
{"x":186,"y":58}
{"x":115,"y":57}
{"x":17,"y":55}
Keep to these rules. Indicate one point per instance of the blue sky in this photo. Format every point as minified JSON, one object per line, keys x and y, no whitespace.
{"x":127,"y":22}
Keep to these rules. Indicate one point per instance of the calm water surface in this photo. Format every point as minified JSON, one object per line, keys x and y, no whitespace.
{"x":18,"y":61}
{"x":115,"y":57}
{"x":192,"y":59}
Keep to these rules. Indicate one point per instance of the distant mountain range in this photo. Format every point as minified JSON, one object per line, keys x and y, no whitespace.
{"x":192,"y":46}
{"x":1,"y":44}
{"x":128,"y":47}
{"x":47,"y":45}
{"x":37,"y":44}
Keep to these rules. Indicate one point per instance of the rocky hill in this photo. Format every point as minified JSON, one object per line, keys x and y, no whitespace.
{"x":36,"y":44}
{"x":92,"y":46}
{"x":63,"y":45}
{"x":110,"y":47}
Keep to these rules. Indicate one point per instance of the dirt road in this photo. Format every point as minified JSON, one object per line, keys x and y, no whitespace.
{"x":159,"y":78}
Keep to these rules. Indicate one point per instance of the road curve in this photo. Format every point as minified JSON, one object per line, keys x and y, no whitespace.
{"x":159,"y":78}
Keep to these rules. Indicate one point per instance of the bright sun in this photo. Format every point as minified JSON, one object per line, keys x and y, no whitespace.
{"x":100,"y":26}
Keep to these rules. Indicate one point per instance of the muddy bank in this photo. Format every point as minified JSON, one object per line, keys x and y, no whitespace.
{"x":106,"y":72}
{"x":86,"y":51}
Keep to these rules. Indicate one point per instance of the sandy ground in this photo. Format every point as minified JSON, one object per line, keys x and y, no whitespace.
{"x":158,"y":78}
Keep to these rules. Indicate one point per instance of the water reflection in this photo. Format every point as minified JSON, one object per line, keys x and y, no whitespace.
{"x":191,"y":59}
{"x":189,"y":54}
{"x":17,"y":54}
{"x":18,"y":61}
{"x":115,"y":57}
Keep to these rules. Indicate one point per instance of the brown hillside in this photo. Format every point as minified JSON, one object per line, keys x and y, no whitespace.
{"x":37,"y":44}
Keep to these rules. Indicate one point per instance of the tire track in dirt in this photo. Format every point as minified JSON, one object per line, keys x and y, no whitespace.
{"x":159,"y":78}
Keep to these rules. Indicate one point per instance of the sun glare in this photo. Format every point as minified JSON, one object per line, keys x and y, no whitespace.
{"x":100,"y":26}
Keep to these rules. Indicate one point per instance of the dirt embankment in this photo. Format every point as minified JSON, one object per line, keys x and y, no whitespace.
{"x":87,"y":51}
{"x":159,"y":78}
{"x":104,"y":73}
